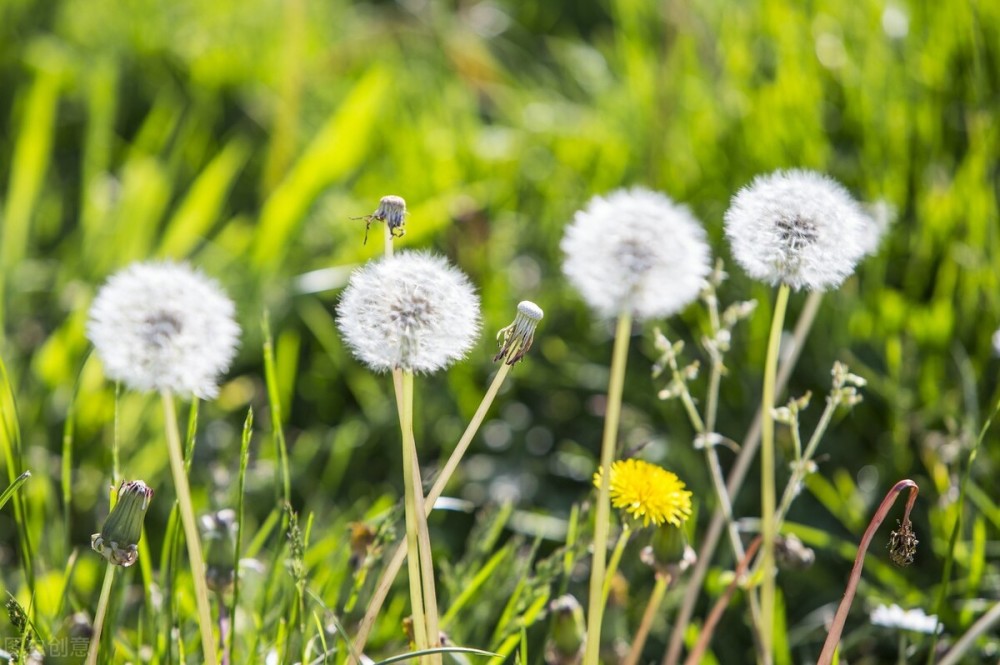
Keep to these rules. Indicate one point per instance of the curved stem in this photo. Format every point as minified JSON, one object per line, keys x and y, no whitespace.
{"x":748,"y":449}
{"x":609,"y":440}
{"x":833,"y":638}
{"x":100,"y":614}
{"x":767,"y":500}
{"x":639,"y":641}
{"x":191,"y":536}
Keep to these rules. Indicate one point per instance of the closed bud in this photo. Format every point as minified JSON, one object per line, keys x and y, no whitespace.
{"x":119,"y":537}
{"x":565,"y":645}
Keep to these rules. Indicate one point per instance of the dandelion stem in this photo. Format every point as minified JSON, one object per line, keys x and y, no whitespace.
{"x":609,"y":440}
{"x":616,"y":557}
{"x":655,"y":598}
{"x":409,"y":489}
{"x":191,"y":536}
{"x":100,"y":615}
{"x":748,"y":449}
{"x":396,"y":562}
{"x":423,"y":535}
{"x":833,"y":638}
{"x":767,"y":495}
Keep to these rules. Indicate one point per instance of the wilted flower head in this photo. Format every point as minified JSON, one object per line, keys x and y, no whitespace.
{"x":410,"y":311}
{"x":799,"y":228}
{"x":391,"y":210}
{"x":895,"y":616}
{"x":648,"y":492}
{"x":164,"y":326}
{"x":635,"y":251}
{"x":515,"y":340}
{"x":119,"y":537}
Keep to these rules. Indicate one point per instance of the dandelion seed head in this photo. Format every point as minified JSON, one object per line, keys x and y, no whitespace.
{"x":648,"y":492}
{"x":410,"y":311}
{"x":636,"y":251}
{"x":799,"y":228}
{"x":164,"y":326}
{"x":894,"y":616}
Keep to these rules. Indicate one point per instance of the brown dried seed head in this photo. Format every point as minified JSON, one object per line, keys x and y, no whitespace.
{"x":903,"y":544}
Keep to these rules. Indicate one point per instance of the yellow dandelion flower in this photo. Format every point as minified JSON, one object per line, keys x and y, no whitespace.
{"x":648,"y":492}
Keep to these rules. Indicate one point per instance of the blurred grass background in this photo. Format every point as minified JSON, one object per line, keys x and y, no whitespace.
{"x":243,"y":136}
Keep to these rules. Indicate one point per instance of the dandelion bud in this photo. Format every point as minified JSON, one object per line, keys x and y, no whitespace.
{"x":411,"y":311}
{"x":219,"y":532}
{"x":119,"y":537}
{"x":516,"y":339}
{"x":668,"y":551}
{"x":164,"y":326}
{"x":798,"y":228}
{"x":635,"y":252}
{"x":565,"y":644}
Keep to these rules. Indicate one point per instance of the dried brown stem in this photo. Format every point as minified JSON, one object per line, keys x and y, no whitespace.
{"x":833,"y":638}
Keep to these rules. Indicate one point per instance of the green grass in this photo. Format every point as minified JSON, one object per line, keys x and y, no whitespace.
{"x":244,"y":137}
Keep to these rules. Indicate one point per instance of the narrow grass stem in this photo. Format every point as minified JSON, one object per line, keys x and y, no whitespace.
{"x":748,"y":449}
{"x":616,"y":557}
{"x":957,"y":527}
{"x":655,"y":599}
{"x":191,"y":536}
{"x":833,"y":637}
{"x":410,"y":509}
{"x":396,"y":562}
{"x":609,"y":440}
{"x":767,"y":501}
{"x":229,"y":648}
{"x":423,"y":534}
{"x":100,"y":615}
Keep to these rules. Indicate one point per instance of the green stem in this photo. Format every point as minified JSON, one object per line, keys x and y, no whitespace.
{"x":410,"y":509}
{"x":396,"y":562}
{"x":616,"y":557}
{"x":767,"y":502}
{"x":100,"y":614}
{"x":191,"y":536}
{"x":659,"y":589}
{"x":423,"y":534}
{"x":616,"y":385}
